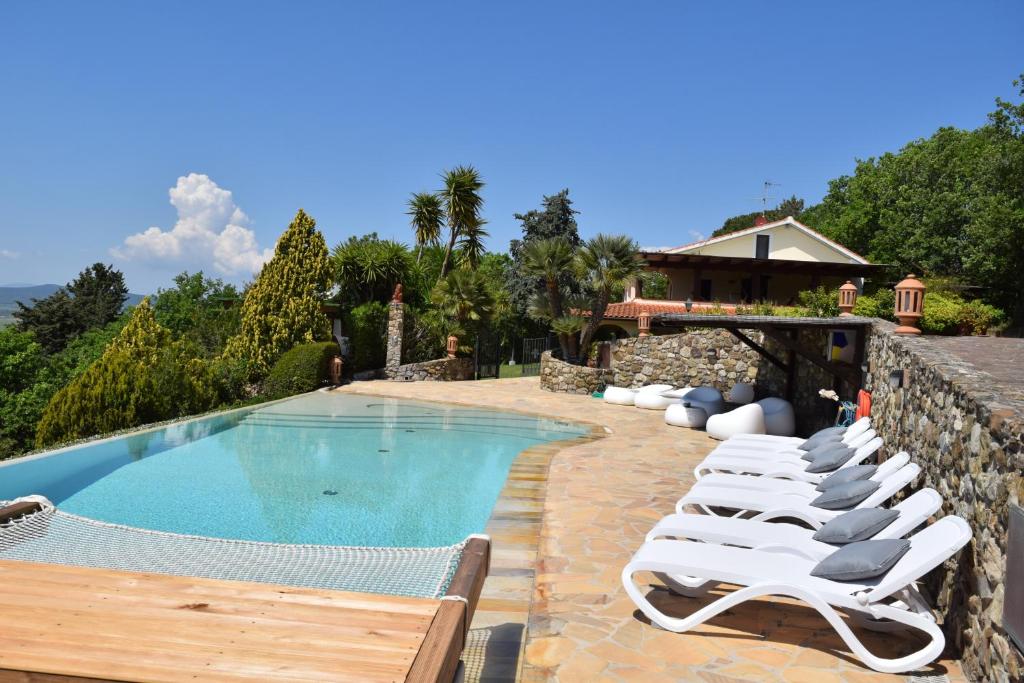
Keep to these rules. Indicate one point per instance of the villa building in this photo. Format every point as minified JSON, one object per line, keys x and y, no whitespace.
{"x":770,"y":262}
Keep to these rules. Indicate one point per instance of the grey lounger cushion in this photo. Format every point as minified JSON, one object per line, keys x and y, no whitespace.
{"x":855,"y":525}
{"x":855,"y":473}
{"x":831,"y":460}
{"x":863,"y":560}
{"x":824,"y":436}
{"x":845,"y":496}
{"x":810,"y":455}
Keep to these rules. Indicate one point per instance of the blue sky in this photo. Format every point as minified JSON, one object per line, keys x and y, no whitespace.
{"x":661,"y":118}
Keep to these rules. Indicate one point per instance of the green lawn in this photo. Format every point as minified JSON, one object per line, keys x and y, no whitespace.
{"x":506,"y":370}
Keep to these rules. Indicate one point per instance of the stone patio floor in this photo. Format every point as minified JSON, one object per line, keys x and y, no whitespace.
{"x":601,"y":497}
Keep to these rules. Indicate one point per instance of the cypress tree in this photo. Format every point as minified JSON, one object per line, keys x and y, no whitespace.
{"x":143,"y":376}
{"x":282,"y":307}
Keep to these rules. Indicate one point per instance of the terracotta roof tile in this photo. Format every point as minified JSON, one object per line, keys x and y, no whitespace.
{"x":629,"y":310}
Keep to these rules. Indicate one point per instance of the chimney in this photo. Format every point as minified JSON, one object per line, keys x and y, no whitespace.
{"x":760,"y":220}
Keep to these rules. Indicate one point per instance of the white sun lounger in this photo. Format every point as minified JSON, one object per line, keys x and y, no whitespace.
{"x":780,"y":537}
{"x":747,"y":443}
{"x":884,"y":603}
{"x":766,"y":482}
{"x":783,"y":537}
{"x":764,"y":505}
{"x":749,"y":451}
{"x":858,"y":427}
{"x":783,"y":467}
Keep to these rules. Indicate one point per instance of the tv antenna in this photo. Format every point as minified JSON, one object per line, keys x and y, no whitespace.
{"x":766,"y":195}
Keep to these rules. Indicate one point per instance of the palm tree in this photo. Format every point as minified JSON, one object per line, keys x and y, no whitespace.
{"x":604,"y":263}
{"x":471,"y":245}
{"x":548,"y":259}
{"x":426,"y":214}
{"x":463,"y":297}
{"x":462,"y":203}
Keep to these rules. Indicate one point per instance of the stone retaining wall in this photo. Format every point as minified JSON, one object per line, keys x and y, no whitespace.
{"x":440,"y":370}
{"x":709,"y":357}
{"x":697,"y":358}
{"x":557,"y":375}
{"x":967,"y":436}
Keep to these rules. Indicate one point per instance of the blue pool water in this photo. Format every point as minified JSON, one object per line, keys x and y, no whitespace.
{"x":322,"y":468}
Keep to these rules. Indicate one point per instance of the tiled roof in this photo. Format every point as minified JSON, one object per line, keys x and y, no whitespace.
{"x":629,"y":310}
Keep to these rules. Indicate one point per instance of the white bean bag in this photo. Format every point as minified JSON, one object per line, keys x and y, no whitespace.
{"x":742,"y":393}
{"x":748,"y":419}
{"x":779,"y":419}
{"x":708,"y":398}
{"x":679,"y":415}
{"x":620,"y":396}
{"x":651,"y":397}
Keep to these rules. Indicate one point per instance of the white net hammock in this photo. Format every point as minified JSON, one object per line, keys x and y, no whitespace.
{"x":57,"y":537}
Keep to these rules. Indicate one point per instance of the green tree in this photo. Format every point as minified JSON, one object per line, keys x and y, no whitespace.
{"x":91,"y":300}
{"x":282,"y":307}
{"x":462,"y":205}
{"x":23,"y":365}
{"x":463,"y":297}
{"x":556,"y":218}
{"x":426,"y":214}
{"x":367,"y":269}
{"x":604,"y":263}
{"x":548,"y":259}
{"x":143,"y":376}
{"x":52,"y":321}
{"x":100,"y":293}
{"x":201,"y":309}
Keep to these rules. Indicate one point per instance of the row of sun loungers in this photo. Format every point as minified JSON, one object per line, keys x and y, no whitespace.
{"x":808,"y":519}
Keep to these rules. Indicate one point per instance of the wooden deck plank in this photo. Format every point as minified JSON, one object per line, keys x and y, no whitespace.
{"x":104,"y":624}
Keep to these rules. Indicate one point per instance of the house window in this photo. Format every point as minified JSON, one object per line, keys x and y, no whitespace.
{"x":761,"y":250}
{"x":764,"y":287}
{"x":705,"y":290}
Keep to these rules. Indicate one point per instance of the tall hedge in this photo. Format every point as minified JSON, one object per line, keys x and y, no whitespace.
{"x":282,"y":307}
{"x":301,"y":369}
{"x":143,"y":376}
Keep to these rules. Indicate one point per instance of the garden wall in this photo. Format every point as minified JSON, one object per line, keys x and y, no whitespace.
{"x":440,"y":370}
{"x":966,"y":433}
{"x":566,"y":378}
{"x":714,"y":357}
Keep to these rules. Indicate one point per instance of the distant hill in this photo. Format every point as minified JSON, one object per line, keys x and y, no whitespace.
{"x":25,"y":294}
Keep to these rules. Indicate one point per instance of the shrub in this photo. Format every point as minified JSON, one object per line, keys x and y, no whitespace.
{"x":877,"y":305}
{"x":977,"y":317}
{"x":822,"y":302}
{"x":367,"y":327}
{"x":143,"y":376}
{"x":941,"y":313}
{"x":424,"y":336}
{"x":303,"y":368}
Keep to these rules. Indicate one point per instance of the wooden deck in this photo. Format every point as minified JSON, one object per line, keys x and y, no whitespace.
{"x":64,"y":623}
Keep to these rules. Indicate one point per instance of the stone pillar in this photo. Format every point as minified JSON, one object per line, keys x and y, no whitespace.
{"x":396,"y":313}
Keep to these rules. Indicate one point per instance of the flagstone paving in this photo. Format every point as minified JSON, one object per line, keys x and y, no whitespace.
{"x":560,"y":544}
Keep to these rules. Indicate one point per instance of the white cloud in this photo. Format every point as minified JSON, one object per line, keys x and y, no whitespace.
{"x":211,"y":231}
{"x":7,"y":253}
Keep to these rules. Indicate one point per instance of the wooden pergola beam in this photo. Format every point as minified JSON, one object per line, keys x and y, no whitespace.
{"x":830,"y":367}
{"x":772,"y":358}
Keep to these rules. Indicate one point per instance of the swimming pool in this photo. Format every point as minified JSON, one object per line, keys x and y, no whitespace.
{"x":321,"y":468}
